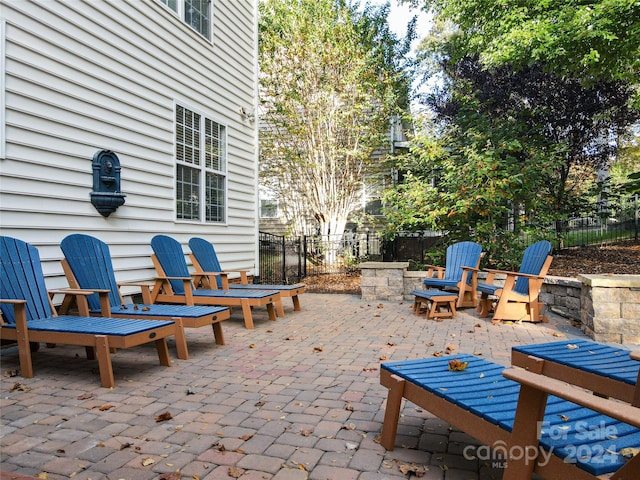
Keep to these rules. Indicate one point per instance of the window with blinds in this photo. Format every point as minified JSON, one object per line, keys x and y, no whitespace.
{"x":200,"y":167}
{"x":195,"y":13}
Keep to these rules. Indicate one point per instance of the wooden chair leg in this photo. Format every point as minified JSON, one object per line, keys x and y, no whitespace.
{"x":279,"y":308}
{"x":392,"y":413}
{"x":271,"y":310}
{"x":217,"y":333}
{"x":163,"y":352}
{"x":104,"y":361}
{"x":246,"y":313}
{"x":181,"y":340}
{"x":296,"y":303}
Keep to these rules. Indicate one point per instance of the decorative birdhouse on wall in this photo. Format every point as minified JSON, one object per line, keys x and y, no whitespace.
{"x":106,"y":196}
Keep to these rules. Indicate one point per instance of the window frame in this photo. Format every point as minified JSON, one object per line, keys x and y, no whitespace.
{"x":180,"y":12}
{"x":202,"y":168}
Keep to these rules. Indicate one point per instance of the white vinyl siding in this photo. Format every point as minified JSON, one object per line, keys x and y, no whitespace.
{"x":85,"y":76}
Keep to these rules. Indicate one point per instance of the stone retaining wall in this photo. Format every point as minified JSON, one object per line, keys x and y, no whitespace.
{"x":607,"y":305}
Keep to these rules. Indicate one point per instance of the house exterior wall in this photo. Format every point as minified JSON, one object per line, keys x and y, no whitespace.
{"x":83,"y":76}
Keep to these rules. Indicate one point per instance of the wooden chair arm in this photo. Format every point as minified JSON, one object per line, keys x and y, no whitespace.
{"x":622,"y":411}
{"x":77,"y":291}
{"x":14,"y":301}
{"x":146,"y":289}
{"x":473,"y":269}
{"x":79,"y":295}
{"x":512,"y":273}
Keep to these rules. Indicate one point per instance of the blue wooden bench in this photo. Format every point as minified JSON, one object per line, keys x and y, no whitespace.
{"x":561,"y":431}
{"x":609,"y":371}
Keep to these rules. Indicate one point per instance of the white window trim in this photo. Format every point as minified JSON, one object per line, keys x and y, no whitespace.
{"x":224,"y":173}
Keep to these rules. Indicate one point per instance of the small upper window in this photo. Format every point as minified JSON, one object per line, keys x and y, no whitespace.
{"x":195,"y":13}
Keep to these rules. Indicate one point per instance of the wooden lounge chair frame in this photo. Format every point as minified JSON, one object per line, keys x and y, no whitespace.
{"x":181,"y":289}
{"x":88,"y":259}
{"x":33,"y":319}
{"x":460,"y":271}
{"x":209,"y":274}
{"x":527,"y":417}
{"x":517,"y":299}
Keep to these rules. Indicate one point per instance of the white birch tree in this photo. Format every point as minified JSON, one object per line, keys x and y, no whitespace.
{"x":329,"y":82}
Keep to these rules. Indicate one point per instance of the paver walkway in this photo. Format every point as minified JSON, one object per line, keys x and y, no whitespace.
{"x":293,"y":399}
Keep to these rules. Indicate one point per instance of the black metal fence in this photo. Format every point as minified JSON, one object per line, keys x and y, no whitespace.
{"x":285,"y":260}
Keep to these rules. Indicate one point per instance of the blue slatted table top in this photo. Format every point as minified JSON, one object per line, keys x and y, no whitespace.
{"x":432,"y":293}
{"x":94,"y":325}
{"x":441,"y":282}
{"x":236,"y":293}
{"x":588,"y":356}
{"x":254,"y":286}
{"x":571,"y":431}
{"x":184,"y":311}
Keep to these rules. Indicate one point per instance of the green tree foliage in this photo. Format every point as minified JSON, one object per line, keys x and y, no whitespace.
{"x":516,"y":150}
{"x":587,"y":40}
{"x":331,"y":76}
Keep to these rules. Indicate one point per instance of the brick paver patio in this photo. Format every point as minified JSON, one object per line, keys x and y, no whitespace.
{"x":298,"y":398}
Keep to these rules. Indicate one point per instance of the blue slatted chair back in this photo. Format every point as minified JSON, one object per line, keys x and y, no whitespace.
{"x":461,"y":254}
{"x":532,"y":262}
{"x":22,"y":279}
{"x":90,"y":262}
{"x":206,"y":256}
{"x":169,"y":253}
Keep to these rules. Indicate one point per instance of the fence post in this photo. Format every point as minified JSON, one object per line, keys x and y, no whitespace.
{"x":304,"y":254}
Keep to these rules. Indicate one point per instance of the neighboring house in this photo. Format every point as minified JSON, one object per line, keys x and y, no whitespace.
{"x":169,"y":86}
{"x":370,"y":216}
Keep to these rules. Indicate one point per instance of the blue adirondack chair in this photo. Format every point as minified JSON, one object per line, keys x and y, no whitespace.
{"x":174,"y":284}
{"x":460,"y":271}
{"x":29,"y":317}
{"x":205,"y":261}
{"x":517,"y":299}
{"x":87,"y":265}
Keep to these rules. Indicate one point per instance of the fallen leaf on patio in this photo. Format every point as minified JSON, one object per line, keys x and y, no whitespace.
{"x":478,"y":325}
{"x":449,"y":349}
{"x":456,"y":365}
{"x":306,"y":432}
{"x":565,"y":418}
{"x":170,"y":476}
{"x":369,"y":369}
{"x":380,"y":305}
{"x":383,"y":357}
{"x":349,"y":426}
{"x":391,"y":344}
{"x":164,"y":417}
{"x":269,"y":331}
{"x":417,"y":470}
{"x":260,"y":404}
{"x":351,"y":446}
{"x":289,"y":338}
{"x":556,"y":334}
{"x":147,"y":461}
{"x":42,"y":475}
{"x":318,"y":349}
{"x":86,"y":396}
{"x":19,"y":386}
{"x":349,"y":407}
{"x":430,"y":344}
{"x":437,"y":354}
{"x":572,"y":346}
{"x":105,"y":407}
{"x":252,"y":345}
{"x":235,"y":472}
{"x":376,"y":439}
{"x":218,"y":446}
{"x":125,"y":445}
{"x":629,"y":452}
{"x":246,"y":437}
